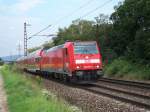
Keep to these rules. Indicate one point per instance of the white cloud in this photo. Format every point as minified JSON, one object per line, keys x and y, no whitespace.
{"x":12,"y":28}
{"x":26,"y":5}
{"x":21,"y":6}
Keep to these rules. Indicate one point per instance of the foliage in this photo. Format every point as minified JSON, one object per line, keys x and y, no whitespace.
{"x":131,"y":30}
{"x":33,"y":49}
{"x":123,"y":68}
{"x":78,"y":30}
{"x":46,"y":45}
{"x":25,"y":95}
{"x":1,"y":62}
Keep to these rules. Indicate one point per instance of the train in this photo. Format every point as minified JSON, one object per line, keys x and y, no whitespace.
{"x":78,"y":61}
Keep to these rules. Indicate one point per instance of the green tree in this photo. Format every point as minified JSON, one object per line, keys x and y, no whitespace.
{"x":78,"y":30}
{"x":33,"y":49}
{"x":131,"y":31}
{"x":48,"y":44}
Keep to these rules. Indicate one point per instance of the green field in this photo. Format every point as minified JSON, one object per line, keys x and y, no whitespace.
{"x":26,"y":95}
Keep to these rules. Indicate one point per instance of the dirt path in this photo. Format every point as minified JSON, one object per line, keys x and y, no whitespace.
{"x":3,"y":100}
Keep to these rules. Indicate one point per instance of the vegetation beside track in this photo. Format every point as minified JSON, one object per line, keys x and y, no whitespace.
{"x":1,"y":62}
{"x":122,"y":68}
{"x":26,"y":95}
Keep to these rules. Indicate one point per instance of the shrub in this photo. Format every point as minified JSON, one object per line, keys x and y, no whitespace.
{"x":121,"y":68}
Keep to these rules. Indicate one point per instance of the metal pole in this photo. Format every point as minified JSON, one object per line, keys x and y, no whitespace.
{"x":19,"y":49}
{"x":25,"y":39}
{"x":97,"y":33}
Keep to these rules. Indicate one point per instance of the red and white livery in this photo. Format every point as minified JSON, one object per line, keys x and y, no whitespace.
{"x":75,"y":61}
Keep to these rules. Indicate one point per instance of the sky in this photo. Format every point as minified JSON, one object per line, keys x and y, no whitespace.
{"x":39,"y":14}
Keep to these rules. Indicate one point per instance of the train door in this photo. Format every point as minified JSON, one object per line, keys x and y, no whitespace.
{"x":38,"y":62}
{"x":65,"y":60}
{"x":42,"y":58}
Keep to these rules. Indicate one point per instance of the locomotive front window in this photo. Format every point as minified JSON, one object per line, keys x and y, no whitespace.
{"x":86,"y":49}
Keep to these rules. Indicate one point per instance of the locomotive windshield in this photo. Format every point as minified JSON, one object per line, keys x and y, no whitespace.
{"x":85,"y":48}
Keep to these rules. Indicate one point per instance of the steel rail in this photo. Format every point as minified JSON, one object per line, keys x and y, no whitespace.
{"x":128,"y":83}
{"x":123,"y":91}
{"x":133,"y":102}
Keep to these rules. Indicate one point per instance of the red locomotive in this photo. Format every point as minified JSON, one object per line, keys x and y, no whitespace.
{"x":75,"y":61}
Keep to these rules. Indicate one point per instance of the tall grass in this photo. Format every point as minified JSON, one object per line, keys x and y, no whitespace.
{"x":121,"y":68}
{"x":24,"y":95}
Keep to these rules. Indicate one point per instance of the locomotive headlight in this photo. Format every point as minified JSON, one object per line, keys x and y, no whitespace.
{"x":80,"y":61}
{"x":77,"y":67}
{"x":97,"y":66}
{"x":95,"y":60}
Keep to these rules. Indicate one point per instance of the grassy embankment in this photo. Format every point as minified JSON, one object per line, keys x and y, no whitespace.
{"x":26,"y":95}
{"x":121,"y":68}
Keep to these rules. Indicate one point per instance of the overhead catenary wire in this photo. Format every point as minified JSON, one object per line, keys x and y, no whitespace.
{"x":70,"y":14}
{"x":101,"y":6}
{"x":39,"y":31}
{"x":58,"y":21}
{"x":88,"y":13}
{"x":75,"y":11}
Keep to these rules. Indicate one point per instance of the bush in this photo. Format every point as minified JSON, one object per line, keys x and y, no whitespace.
{"x":1,"y":63}
{"x":121,"y":68}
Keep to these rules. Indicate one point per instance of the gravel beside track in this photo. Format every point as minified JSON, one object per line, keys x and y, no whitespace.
{"x":88,"y":101}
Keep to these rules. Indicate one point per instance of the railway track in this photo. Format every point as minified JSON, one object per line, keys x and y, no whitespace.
{"x":134,"y":98}
{"x":133,"y":102}
{"x":126,"y":95}
{"x":128,"y":83}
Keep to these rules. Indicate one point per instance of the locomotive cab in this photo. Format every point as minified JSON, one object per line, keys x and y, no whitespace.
{"x":86,"y":61}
